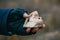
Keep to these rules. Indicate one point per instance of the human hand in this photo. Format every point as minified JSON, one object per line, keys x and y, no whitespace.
{"x":28,"y":29}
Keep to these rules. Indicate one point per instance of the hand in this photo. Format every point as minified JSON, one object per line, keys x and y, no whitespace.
{"x":43,"y":26}
{"x":35,"y":29}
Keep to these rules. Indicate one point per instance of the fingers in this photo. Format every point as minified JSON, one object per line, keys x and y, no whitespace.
{"x":25,"y":15}
{"x":28,"y":29}
{"x":43,"y":26}
{"x":35,"y":29}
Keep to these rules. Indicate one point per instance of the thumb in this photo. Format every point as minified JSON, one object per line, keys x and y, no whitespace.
{"x":25,"y":15}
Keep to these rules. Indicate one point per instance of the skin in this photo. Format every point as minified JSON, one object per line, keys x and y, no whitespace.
{"x":35,"y":29}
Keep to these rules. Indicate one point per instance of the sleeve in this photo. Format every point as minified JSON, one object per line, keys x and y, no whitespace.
{"x":15,"y":22}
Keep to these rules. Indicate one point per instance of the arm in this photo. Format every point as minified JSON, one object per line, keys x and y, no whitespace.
{"x":15,"y":22}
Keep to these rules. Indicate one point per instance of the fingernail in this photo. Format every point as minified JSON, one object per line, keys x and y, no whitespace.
{"x":25,"y":15}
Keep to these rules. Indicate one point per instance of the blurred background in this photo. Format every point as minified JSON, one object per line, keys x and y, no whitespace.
{"x":48,"y":9}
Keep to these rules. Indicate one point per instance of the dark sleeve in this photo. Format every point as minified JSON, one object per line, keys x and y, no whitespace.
{"x":3,"y":21}
{"x":15,"y":22}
